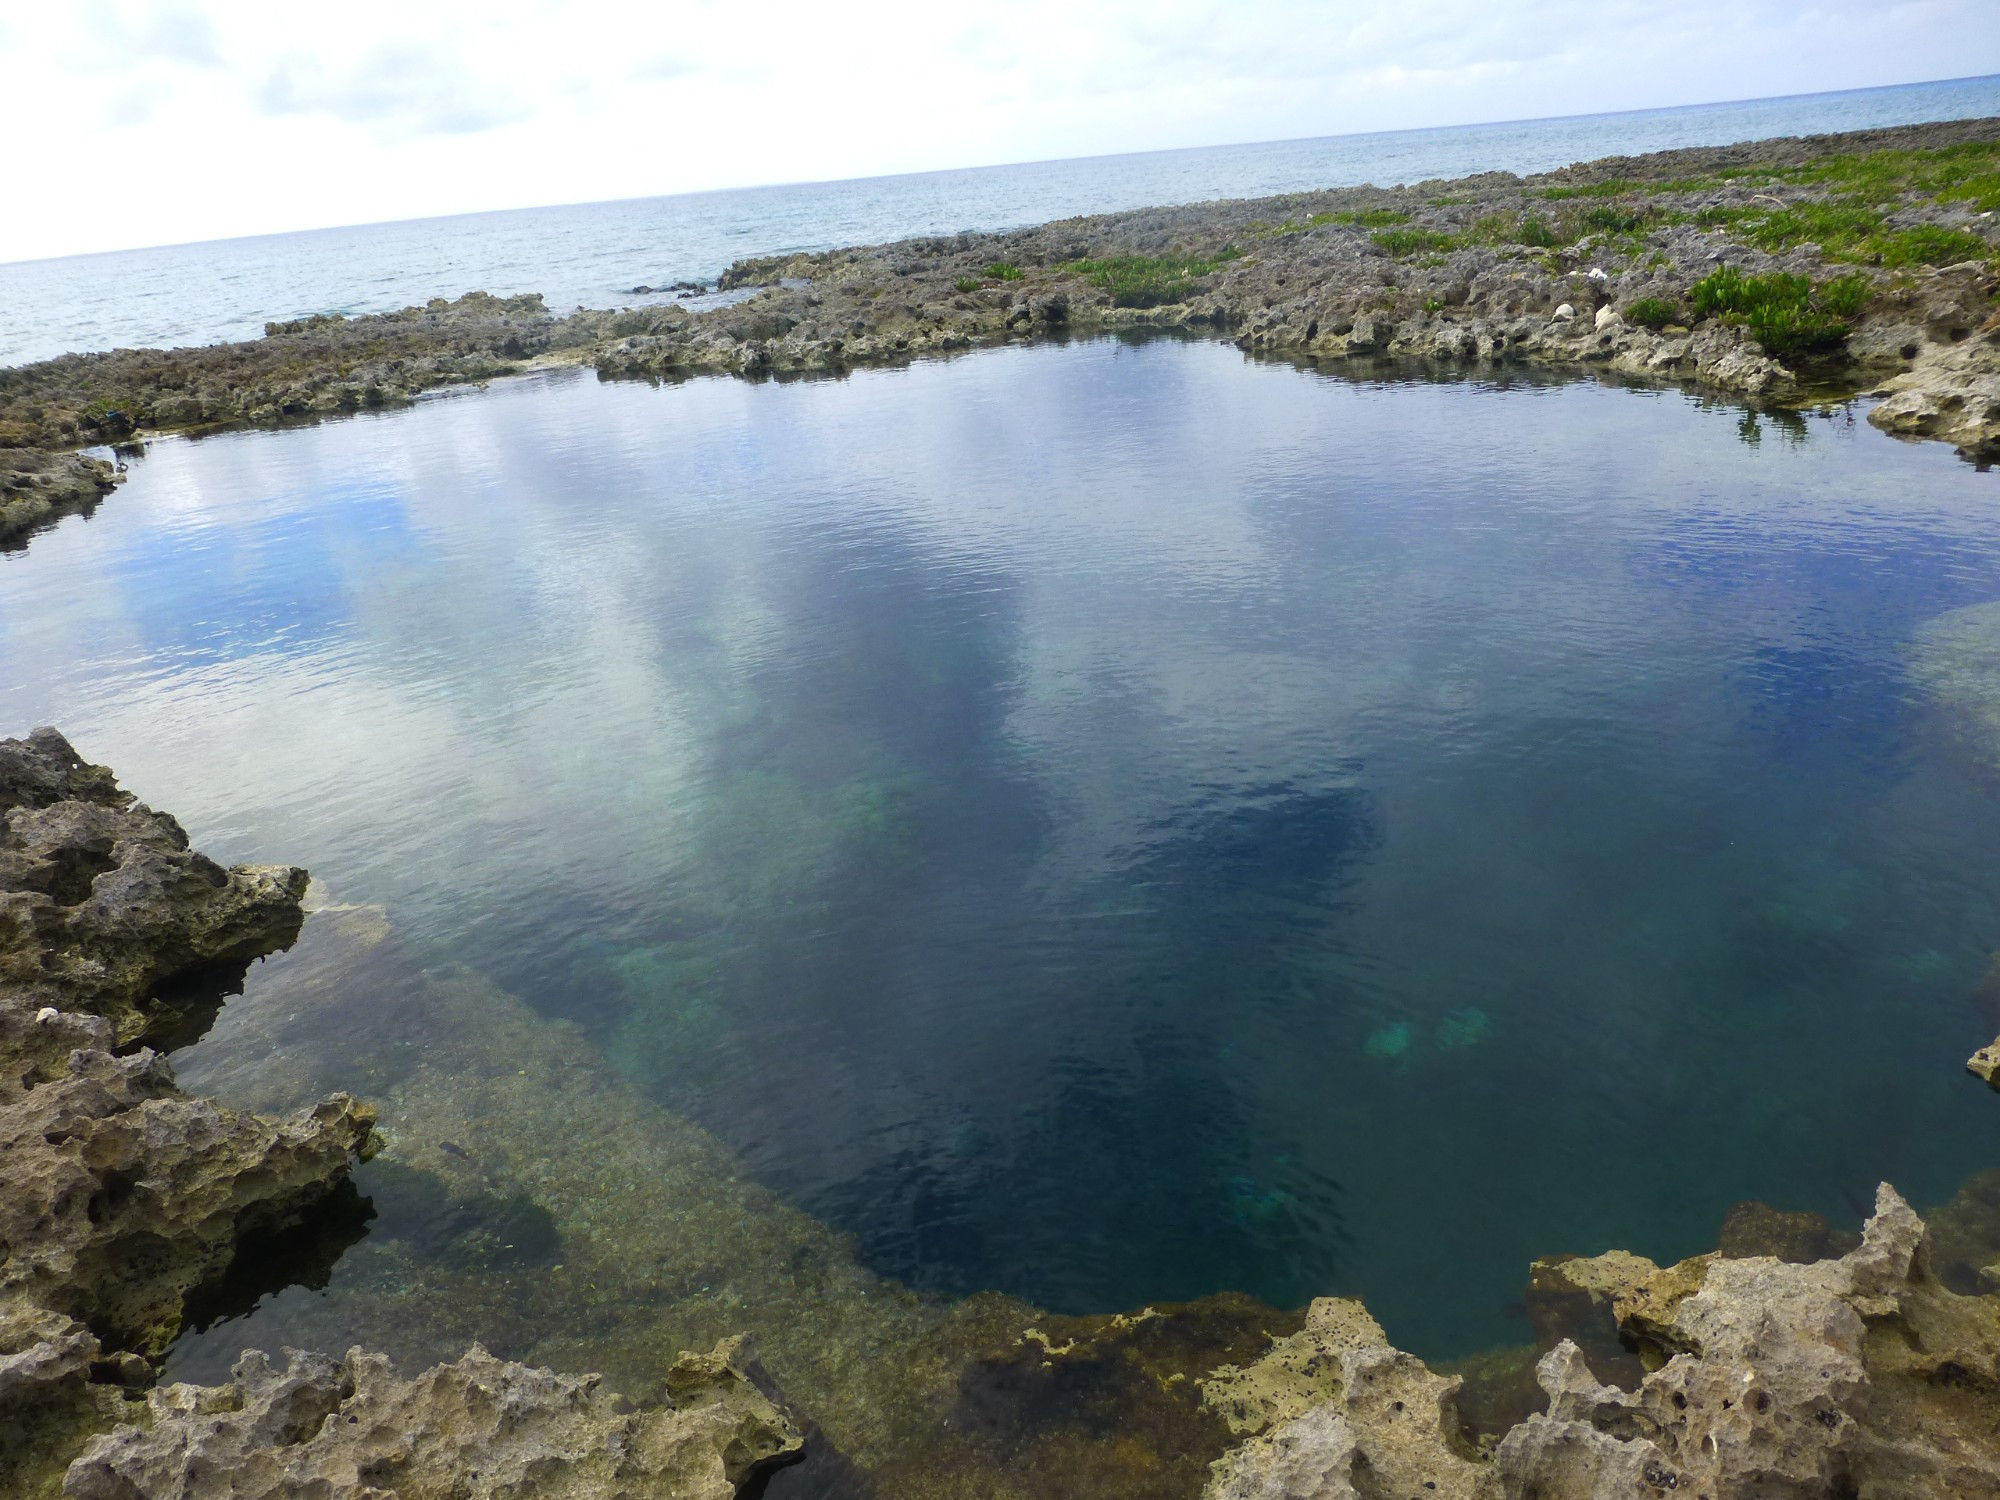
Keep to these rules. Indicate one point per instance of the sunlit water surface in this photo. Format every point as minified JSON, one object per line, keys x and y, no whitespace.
{"x":1114,"y":822}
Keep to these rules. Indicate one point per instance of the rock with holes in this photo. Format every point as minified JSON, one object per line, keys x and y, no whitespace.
{"x":1339,"y":1413}
{"x":121,"y":1194}
{"x":101,"y":899}
{"x":476,"y":1429}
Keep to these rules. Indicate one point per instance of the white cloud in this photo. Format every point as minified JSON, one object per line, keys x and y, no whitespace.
{"x":404,"y":108}
{"x":397,"y":90}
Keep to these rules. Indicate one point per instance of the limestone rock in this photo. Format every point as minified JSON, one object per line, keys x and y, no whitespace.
{"x":1339,"y":1413}
{"x":1985,"y":1063}
{"x":476,"y":1429}
{"x":101,"y":899}
{"x":122,"y":1195}
{"x":1298,"y":1372}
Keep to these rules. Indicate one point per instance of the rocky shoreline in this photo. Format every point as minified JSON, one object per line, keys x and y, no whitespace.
{"x":1793,"y":1361}
{"x":1784,"y":272}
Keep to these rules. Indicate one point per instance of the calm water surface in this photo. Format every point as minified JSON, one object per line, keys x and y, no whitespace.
{"x":1114,"y":822}
{"x":594,"y":254}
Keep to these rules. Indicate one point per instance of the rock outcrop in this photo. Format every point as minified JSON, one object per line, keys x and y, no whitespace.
{"x":478,"y":1428}
{"x":38,"y":488}
{"x":1764,"y":1378}
{"x":101,"y":899}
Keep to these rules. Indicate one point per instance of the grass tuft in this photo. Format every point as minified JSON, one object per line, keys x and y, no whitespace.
{"x":1002,"y":270}
{"x":1151,"y":281}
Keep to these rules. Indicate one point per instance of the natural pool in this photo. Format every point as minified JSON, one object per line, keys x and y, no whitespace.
{"x":1102,"y":823}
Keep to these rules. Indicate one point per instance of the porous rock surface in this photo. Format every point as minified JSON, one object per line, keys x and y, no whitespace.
{"x":101,"y":898}
{"x":476,"y":1428}
{"x":1861,"y":1376}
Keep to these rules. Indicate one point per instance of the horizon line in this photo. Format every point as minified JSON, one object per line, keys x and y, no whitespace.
{"x":1000,"y":166}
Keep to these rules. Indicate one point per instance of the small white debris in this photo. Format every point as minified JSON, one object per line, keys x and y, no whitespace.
{"x":1598,"y":273}
{"x":1565,"y":313}
{"x":46,"y":1015}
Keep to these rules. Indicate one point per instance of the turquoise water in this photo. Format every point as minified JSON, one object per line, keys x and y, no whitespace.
{"x":594,"y":254}
{"x":1115,"y":821}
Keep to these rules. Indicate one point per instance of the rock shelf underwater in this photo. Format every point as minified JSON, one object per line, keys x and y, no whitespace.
{"x":1795,"y":1360}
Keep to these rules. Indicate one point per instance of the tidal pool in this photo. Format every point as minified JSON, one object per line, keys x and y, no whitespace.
{"x":1100,"y":823}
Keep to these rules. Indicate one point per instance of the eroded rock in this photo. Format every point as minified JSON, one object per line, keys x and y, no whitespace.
{"x":475,"y":1429}
{"x":101,"y":899}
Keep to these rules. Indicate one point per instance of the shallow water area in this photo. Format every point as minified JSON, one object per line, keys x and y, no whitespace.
{"x":1101,"y":823}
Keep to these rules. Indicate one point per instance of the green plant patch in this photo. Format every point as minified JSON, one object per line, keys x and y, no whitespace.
{"x":1412,"y":241}
{"x":1652,"y":312}
{"x":1002,"y":270}
{"x":967,"y":283}
{"x":1785,"y":313}
{"x":1608,"y":218}
{"x":1151,"y":281}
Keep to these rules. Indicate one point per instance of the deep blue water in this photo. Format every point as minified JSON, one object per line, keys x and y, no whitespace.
{"x":1114,"y":822}
{"x":594,"y":254}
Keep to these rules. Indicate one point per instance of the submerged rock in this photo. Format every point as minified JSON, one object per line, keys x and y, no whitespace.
{"x":473,"y":1429}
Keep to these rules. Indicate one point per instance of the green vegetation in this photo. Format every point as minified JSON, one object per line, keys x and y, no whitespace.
{"x":1616,"y":187}
{"x":1607,"y":218}
{"x":1787,"y":314}
{"x":1149,"y":280}
{"x":1410,"y":241}
{"x":1652,"y":312}
{"x":1847,"y":230}
{"x":968,"y":283}
{"x":1002,"y":270}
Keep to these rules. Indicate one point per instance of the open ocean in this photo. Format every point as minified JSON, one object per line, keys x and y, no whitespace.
{"x":593,"y":254}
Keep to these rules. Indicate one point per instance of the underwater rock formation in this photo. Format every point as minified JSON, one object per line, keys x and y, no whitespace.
{"x":476,"y":1428}
{"x":101,"y":899}
{"x":124,"y":1200}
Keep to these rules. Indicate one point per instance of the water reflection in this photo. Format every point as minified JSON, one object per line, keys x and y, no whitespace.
{"x":1111,"y":822}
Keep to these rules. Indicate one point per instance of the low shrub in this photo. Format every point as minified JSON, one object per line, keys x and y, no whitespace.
{"x":967,"y":283}
{"x":1002,"y":270}
{"x":1785,"y":313}
{"x":1652,"y":312}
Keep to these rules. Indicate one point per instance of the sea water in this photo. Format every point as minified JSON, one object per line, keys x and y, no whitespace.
{"x":595,"y":254}
{"x":1114,"y":821}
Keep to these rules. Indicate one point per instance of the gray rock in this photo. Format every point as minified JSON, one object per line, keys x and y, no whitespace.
{"x":476,"y":1429}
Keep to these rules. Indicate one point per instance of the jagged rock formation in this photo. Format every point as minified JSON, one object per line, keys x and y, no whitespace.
{"x":476,"y":1428}
{"x":1858,"y":1376}
{"x":101,"y":898}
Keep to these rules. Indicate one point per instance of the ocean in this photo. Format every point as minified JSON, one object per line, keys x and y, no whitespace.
{"x":594,"y":254}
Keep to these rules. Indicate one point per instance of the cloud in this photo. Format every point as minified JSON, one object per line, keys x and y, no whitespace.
{"x":662,"y":67}
{"x":128,"y":35}
{"x":398,"y":90}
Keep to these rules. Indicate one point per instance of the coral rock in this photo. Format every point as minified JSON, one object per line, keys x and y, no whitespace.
{"x":473,"y":1429}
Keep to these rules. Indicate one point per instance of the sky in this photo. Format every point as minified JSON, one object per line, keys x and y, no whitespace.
{"x":143,"y":122}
